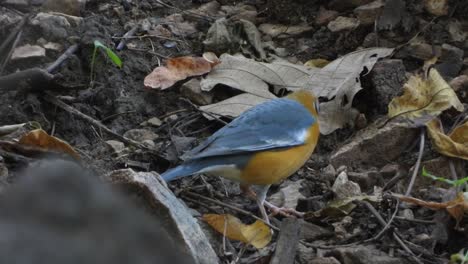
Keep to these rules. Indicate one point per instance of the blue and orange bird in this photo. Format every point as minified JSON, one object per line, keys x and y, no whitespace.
{"x":263,"y":146}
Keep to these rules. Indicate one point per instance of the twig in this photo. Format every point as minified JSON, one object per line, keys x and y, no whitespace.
{"x":419,"y":221}
{"x":205,"y":112}
{"x":417,"y":165}
{"x":395,"y":235}
{"x":387,"y":225}
{"x":230,"y":207}
{"x":13,"y":33}
{"x":126,"y":36}
{"x":149,"y":36}
{"x":12,"y":49}
{"x":70,"y":51}
{"x":53,"y":100}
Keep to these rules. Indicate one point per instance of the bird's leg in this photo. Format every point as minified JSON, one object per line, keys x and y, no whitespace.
{"x":288,"y":212}
{"x":258,"y":197}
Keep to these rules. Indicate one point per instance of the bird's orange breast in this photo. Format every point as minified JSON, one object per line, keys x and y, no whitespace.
{"x":269,"y":167}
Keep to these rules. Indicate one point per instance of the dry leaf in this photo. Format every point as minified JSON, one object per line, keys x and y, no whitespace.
{"x":424,"y":99}
{"x":39,"y":138}
{"x":338,"y":81}
{"x":453,"y":145}
{"x":177,"y":69}
{"x":456,"y":207}
{"x":257,"y":234}
{"x":231,"y":107}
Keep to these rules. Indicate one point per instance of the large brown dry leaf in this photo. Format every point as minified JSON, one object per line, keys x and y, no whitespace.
{"x":177,"y":69}
{"x":39,"y":138}
{"x":453,"y":145}
{"x":337,"y":81}
{"x":456,"y":207}
{"x":424,"y":99}
{"x":257,"y":234}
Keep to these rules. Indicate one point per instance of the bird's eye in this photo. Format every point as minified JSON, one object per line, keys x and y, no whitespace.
{"x":317,"y":105}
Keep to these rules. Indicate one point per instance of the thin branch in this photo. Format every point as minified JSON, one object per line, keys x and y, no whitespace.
{"x":417,"y":165}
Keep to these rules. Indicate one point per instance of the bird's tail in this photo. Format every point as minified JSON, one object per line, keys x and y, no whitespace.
{"x":177,"y":172}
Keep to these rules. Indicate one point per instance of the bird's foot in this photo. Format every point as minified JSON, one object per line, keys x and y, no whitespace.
{"x":287,"y":212}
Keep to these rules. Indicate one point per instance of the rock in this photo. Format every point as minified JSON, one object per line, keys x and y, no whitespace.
{"x":311,"y":232}
{"x":344,"y":188}
{"x":419,"y":50}
{"x":69,"y":7}
{"x":407,"y":214}
{"x":288,"y":195}
{"x":184,"y":229}
{"x":283,"y":31}
{"x":194,"y":93}
{"x":53,"y":46}
{"x":340,"y":228}
{"x":366,"y":180}
{"x":324,"y":16}
{"x":28,"y":52}
{"x":328,"y":173}
{"x":456,"y":31}
{"x":171,"y":118}
{"x":304,"y":254}
{"x":149,"y":143}
{"x":179,"y":26}
{"x":343,"y":24}
{"x":154,"y":121}
{"x":323,"y":260}
{"x":57,"y":212}
{"x":364,"y":254}
{"x":369,"y":12}
{"x":389,"y":170}
{"x":451,"y":61}
{"x":116,"y":146}
{"x":387,"y":79}
{"x":375,"y":145}
{"x":8,"y":18}
{"x":54,"y":27}
{"x":460,"y":86}
{"x":372,"y":40}
{"x":436,"y":7}
{"x":140,"y":135}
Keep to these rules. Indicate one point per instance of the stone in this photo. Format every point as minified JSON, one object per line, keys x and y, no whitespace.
{"x":53,"y":46}
{"x":194,"y":93}
{"x":324,"y":16}
{"x":436,"y":7}
{"x":419,"y":50}
{"x":116,"y":146}
{"x":375,"y":145}
{"x":456,"y":31}
{"x":460,"y":86}
{"x":69,"y":7}
{"x":389,"y":170}
{"x":342,"y":23}
{"x":312,"y":232}
{"x":59,"y":212}
{"x":328,"y":173}
{"x":288,"y":196}
{"x":344,"y":188}
{"x":387,"y":79}
{"x":369,"y":12}
{"x":154,"y":121}
{"x":304,"y":254}
{"x":451,"y":61}
{"x":372,"y":40}
{"x":140,"y":135}
{"x":8,"y":18}
{"x":54,"y":27}
{"x":28,"y":52}
{"x":366,"y":180}
{"x":323,"y":260}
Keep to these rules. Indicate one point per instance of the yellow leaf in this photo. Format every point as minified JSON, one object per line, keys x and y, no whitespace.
{"x":257,"y":234}
{"x":455,"y":145}
{"x":424,"y":99}
{"x":316,"y":63}
{"x":39,"y":138}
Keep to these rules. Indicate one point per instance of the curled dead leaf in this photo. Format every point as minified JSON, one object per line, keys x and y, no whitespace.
{"x":257,"y":234}
{"x":423,"y":99}
{"x":39,"y":138}
{"x":453,"y":145}
{"x":178,"y":69}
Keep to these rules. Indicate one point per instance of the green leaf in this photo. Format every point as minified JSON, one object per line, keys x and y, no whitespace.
{"x":441,"y":179}
{"x":114,"y":58}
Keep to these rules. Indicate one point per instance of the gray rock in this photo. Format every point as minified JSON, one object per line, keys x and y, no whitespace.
{"x":451,"y":59}
{"x":344,"y":188}
{"x":369,"y":12}
{"x":59,"y":213}
{"x":419,"y":50}
{"x":304,"y":254}
{"x":323,"y":260}
{"x":328,"y":173}
{"x":194,"y":93}
{"x":154,"y":121}
{"x":140,"y":135}
{"x":375,"y":145}
{"x":288,"y":195}
{"x":28,"y":52}
{"x":69,"y":7}
{"x":116,"y":146}
{"x":366,"y":180}
{"x":53,"y":27}
{"x":311,"y":232}
{"x":343,"y":24}
{"x":387,"y":79}
{"x":324,"y":16}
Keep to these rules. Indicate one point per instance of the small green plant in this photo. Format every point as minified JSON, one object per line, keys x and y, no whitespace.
{"x":459,"y":258}
{"x":441,"y":179}
{"x":112,"y":56}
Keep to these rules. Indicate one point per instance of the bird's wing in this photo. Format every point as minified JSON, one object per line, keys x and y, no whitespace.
{"x":275,"y":124}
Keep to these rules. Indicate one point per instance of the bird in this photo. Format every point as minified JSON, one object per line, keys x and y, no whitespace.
{"x":263,"y":146}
